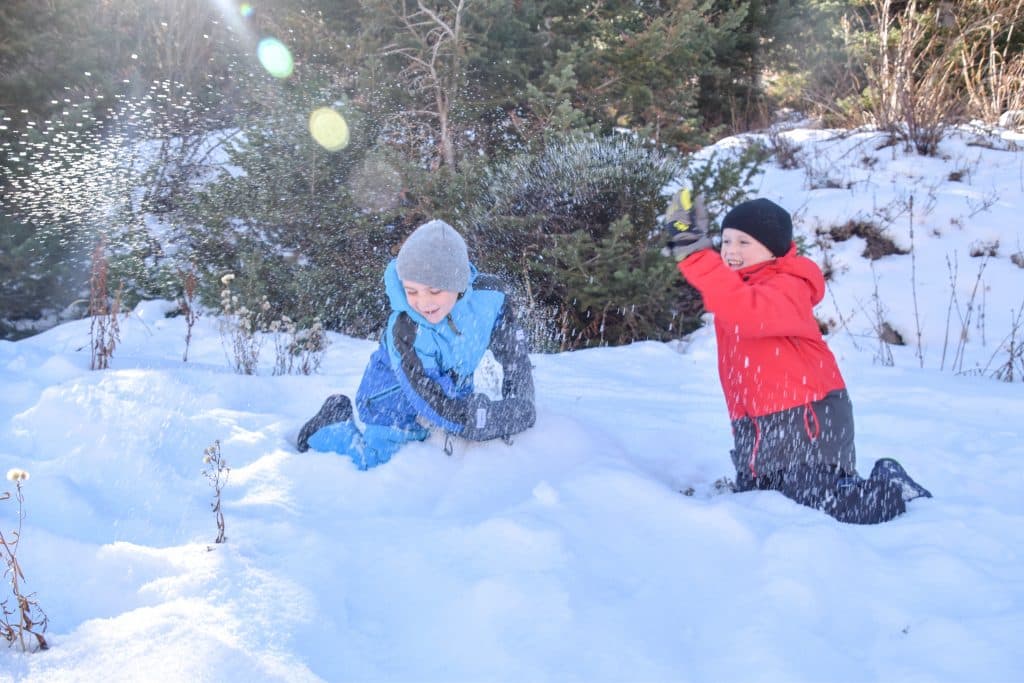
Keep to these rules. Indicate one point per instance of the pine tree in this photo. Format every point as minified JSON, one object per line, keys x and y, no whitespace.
{"x":41,"y":275}
{"x":290,"y":217}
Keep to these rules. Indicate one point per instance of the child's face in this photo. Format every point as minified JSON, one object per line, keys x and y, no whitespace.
{"x":740,"y":250}
{"x":432,"y":303}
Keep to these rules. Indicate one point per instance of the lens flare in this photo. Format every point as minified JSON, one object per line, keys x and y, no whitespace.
{"x":329,"y":129}
{"x":245,"y":9}
{"x":275,"y":57}
{"x":376,"y":185}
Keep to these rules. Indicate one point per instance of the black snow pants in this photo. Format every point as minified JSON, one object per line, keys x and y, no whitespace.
{"x":847,"y":498}
{"x":807,"y":454}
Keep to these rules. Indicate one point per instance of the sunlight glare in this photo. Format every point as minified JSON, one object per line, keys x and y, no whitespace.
{"x":329,"y":129}
{"x":275,"y":57}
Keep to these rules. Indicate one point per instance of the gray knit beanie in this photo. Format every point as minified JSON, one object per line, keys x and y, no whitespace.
{"x":435,"y":255}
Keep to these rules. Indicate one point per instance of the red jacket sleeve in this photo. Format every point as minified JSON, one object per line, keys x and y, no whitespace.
{"x":781,"y":305}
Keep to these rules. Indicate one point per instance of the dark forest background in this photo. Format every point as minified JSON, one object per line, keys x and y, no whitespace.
{"x":169,"y":141}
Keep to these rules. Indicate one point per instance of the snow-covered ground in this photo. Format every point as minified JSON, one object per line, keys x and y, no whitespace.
{"x":571,"y":554}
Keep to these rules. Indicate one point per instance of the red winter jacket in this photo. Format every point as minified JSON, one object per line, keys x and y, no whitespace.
{"x":771,"y":355}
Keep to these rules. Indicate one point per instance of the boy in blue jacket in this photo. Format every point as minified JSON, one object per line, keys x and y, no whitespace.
{"x":444,"y":317}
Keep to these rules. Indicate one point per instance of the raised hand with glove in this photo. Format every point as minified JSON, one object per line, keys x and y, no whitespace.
{"x":685,"y":226}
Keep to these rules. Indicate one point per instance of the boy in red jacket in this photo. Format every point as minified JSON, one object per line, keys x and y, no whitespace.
{"x":792,"y":419}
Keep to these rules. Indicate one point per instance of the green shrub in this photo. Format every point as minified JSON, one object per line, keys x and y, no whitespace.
{"x":575,"y":227}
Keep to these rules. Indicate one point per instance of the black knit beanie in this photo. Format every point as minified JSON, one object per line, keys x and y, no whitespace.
{"x":435,"y":255}
{"x":765,"y":221}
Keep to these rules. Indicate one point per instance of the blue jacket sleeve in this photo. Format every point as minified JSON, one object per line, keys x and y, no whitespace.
{"x":515,"y":412}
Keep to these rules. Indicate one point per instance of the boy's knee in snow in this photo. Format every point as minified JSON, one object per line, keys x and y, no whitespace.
{"x":845,"y":497}
{"x":341,"y":437}
{"x":381,"y":442}
{"x":344,"y":438}
{"x":333,"y":430}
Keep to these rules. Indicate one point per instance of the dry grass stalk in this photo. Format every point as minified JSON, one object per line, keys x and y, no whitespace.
{"x":216,"y":472}
{"x":104,"y":332}
{"x":187,"y":304}
{"x":26,"y":621}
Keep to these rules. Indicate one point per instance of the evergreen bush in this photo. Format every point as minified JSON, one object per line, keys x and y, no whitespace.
{"x":574,"y":227}
{"x":535,"y":208}
{"x":614,"y":289}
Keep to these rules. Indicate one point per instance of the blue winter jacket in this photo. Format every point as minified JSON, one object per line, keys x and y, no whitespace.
{"x":423,"y":369}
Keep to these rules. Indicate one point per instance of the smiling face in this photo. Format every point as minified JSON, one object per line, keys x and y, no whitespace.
{"x":740,"y":250}
{"x":432,"y":303}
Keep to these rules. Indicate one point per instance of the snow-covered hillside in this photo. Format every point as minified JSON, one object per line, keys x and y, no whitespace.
{"x":573,"y":553}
